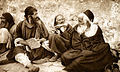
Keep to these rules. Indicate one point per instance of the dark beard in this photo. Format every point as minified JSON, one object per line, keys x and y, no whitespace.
{"x":33,"y":20}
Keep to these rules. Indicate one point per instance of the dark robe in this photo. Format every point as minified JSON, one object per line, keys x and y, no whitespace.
{"x":61,"y":43}
{"x":89,"y":54}
{"x":3,"y":47}
{"x":37,"y":31}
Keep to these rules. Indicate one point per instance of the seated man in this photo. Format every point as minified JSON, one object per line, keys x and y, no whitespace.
{"x":89,"y":51}
{"x":59,"y":42}
{"x":30,"y":28}
{"x":6,"y":23}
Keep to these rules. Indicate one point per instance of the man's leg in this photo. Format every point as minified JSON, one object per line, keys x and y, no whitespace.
{"x":3,"y":48}
{"x":23,"y":59}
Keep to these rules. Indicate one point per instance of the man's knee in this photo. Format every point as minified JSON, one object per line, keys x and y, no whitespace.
{"x":23,"y":59}
{"x":4,"y":30}
{"x":66,"y":55}
{"x":63,"y":55}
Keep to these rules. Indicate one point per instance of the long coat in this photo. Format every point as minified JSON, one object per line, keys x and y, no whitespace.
{"x":61,"y":43}
{"x":88,"y":54}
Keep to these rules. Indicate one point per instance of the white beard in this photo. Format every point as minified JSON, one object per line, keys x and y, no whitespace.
{"x":81,"y":30}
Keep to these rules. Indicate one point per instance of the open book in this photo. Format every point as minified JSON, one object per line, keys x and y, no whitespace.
{"x":33,"y":43}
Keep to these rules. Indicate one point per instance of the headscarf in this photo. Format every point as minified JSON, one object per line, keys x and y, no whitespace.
{"x":9,"y":19}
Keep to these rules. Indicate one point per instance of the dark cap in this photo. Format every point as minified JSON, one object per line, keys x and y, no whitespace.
{"x":9,"y":19}
{"x":89,"y":14}
{"x":29,"y":10}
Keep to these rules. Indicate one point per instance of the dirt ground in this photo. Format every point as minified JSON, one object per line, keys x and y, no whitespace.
{"x":44,"y":67}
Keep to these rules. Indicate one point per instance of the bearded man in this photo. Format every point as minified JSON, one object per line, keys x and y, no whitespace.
{"x":30,"y":28}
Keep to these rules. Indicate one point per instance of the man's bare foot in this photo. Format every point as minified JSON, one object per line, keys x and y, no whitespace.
{"x":33,"y":68}
{"x":40,"y":61}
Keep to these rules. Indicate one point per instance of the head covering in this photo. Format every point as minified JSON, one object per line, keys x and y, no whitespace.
{"x":29,"y":11}
{"x":9,"y":19}
{"x":55,"y":22}
{"x":89,"y":14}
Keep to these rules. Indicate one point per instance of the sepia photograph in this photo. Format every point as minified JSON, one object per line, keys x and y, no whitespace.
{"x":59,"y":35}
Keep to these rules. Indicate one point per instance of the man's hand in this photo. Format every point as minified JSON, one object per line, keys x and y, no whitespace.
{"x":60,"y":25}
{"x":23,"y":42}
{"x":42,"y":39}
{"x":63,"y":29}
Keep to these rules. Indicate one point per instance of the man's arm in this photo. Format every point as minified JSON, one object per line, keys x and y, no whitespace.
{"x":18,"y":34}
{"x":18,"y":31}
{"x":43,"y":30}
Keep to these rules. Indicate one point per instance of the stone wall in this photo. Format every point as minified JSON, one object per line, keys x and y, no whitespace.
{"x":106,"y":13}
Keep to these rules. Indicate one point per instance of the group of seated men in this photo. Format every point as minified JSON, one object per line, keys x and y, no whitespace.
{"x":80,"y":48}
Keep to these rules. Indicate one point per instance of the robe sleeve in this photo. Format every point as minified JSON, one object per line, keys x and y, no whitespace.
{"x":87,"y":43}
{"x":67,"y":34}
{"x":9,"y":40}
{"x":77,"y":42}
{"x":18,"y":31}
{"x":43,"y":30}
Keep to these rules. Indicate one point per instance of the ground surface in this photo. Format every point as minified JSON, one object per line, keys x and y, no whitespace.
{"x":44,"y":67}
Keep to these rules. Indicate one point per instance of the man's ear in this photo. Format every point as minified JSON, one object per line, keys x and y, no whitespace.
{"x":29,"y":18}
{"x":88,"y":24}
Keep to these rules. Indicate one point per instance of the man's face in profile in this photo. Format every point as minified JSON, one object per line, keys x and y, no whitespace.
{"x":3,"y":22}
{"x":34,"y":17}
{"x":60,"y":19}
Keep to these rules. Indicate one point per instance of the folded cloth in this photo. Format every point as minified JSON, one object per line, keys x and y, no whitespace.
{"x":45,"y":44}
